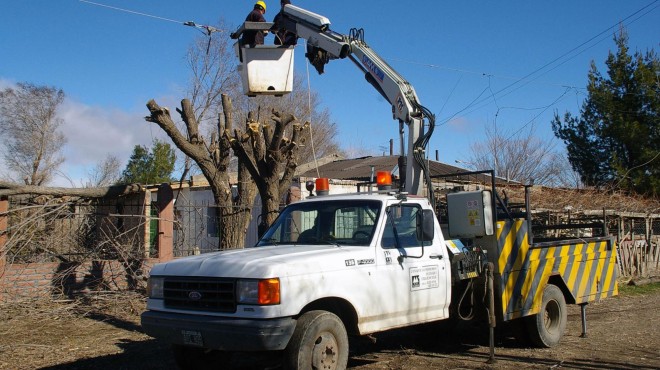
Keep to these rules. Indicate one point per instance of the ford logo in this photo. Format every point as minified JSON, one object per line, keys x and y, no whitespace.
{"x":195,"y":296}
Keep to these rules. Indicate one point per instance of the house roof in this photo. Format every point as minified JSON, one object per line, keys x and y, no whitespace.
{"x":361,"y":168}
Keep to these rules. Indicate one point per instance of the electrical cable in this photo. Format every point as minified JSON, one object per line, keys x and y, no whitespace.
{"x":570,"y":51}
{"x":208,"y":29}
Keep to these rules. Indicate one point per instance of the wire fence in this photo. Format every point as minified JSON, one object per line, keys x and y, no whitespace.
{"x":126,"y":230}
{"x":75,"y":231}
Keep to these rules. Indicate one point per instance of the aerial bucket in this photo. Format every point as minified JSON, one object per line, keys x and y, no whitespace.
{"x":265,"y":69}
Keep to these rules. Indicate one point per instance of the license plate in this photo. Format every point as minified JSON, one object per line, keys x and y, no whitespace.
{"x":192,"y":338}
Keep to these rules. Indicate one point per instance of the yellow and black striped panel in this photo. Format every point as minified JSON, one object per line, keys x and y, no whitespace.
{"x":586,"y":267}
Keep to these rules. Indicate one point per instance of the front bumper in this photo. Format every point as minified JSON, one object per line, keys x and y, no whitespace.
{"x":219,"y":333}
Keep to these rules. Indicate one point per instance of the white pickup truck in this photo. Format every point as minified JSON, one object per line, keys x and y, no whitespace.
{"x":337,"y":265}
{"x":329,"y":266}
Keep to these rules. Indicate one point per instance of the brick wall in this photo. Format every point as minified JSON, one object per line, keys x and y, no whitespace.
{"x":62,"y":280}
{"x":58,"y":280}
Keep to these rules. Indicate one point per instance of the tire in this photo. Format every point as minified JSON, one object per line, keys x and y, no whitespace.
{"x":547,"y":327}
{"x":189,"y":358}
{"x":319,"y":342}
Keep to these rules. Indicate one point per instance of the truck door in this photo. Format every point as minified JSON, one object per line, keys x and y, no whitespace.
{"x":415,"y":274}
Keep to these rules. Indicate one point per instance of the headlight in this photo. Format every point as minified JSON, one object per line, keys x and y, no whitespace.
{"x":261,"y":292}
{"x":155,"y":287}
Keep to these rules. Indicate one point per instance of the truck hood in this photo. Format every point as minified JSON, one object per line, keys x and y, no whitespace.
{"x":264,"y":262}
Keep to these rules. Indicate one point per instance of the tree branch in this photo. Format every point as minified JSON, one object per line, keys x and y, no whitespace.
{"x":8,"y":189}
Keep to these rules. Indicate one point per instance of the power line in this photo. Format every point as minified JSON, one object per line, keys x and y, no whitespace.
{"x":206,"y":29}
{"x":562,"y":56}
{"x":130,"y":11}
{"x":477,"y":102}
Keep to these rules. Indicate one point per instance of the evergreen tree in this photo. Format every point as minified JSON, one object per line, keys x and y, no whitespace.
{"x":153,"y":166}
{"x":616,"y":139}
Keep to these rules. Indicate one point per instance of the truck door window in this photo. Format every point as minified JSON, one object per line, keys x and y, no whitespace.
{"x":401,"y":227}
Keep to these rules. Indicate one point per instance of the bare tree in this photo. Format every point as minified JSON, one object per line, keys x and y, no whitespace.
{"x":212,"y":66}
{"x":520,"y":157}
{"x":105,"y":173}
{"x":30,"y":128}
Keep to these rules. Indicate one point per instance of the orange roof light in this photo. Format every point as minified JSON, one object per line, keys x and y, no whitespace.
{"x":384,"y":180}
{"x":322,"y":186}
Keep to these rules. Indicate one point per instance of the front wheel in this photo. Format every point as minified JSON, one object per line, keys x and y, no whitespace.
{"x":319,"y":342}
{"x":547,"y":327}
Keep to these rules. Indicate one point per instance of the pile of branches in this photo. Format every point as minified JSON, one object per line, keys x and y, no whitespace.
{"x":559,"y":199}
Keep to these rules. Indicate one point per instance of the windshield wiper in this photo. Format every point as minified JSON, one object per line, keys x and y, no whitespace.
{"x":269,"y":241}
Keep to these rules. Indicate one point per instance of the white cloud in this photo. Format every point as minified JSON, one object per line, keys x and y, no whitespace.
{"x":93,"y":133}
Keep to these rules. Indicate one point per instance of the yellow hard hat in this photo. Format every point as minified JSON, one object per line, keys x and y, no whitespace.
{"x":261,"y":4}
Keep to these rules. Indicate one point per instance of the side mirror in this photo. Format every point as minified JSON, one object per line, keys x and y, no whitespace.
{"x":425,"y":225}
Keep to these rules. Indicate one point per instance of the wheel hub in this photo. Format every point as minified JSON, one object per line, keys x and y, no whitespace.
{"x":325,"y":353}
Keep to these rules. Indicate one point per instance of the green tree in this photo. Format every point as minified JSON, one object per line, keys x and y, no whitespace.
{"x":615,"y":141}
{"x":150,"y":166}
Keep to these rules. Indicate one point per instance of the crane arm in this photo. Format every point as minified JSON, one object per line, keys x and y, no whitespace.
{"x":325,"y":45}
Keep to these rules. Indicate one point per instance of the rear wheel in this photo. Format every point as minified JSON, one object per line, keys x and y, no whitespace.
{"x":546,"y":328}
{"x":319,"y":342}
{"x":200,"y":358}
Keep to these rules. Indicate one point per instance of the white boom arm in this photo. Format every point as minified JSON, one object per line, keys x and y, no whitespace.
{"x":326,"y":44}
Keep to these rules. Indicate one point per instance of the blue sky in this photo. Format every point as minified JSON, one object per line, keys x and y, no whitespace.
{"x":462,"y":57}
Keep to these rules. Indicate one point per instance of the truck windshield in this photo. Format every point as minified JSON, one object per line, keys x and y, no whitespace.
{"x":338,"y":222}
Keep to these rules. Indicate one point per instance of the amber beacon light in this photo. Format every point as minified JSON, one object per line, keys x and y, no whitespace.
{"x":322,"y":186}
{"x":384,"y":180}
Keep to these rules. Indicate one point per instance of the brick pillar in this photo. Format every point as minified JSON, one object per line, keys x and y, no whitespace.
{"x":4,"y":207}
{"x":165,"y":223}
{"x":146,"y":247}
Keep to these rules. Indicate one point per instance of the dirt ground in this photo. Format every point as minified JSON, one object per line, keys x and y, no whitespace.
{"x":103,"y":332}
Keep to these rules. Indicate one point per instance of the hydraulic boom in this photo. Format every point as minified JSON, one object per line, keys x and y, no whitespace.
{"x":324,"y":45}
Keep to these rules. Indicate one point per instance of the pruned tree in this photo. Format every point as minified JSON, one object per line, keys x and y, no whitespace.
{"x":29,"y":126}
{"x":520,"y":157}
{"x":213,"y":70}
{"x":267,"y":158}
{"x":270,"y":156}
{"x":320,"y":138}
{"x":213,"y":158}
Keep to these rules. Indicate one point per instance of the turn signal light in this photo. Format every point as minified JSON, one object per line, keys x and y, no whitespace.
{"x":269,"y":291}
{"x":384,"y":180}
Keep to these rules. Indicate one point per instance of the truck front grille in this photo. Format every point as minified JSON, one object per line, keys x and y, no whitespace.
{"x":200,"y":294}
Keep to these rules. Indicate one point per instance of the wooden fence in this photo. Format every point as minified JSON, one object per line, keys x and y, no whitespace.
{"x":639,"y":246}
